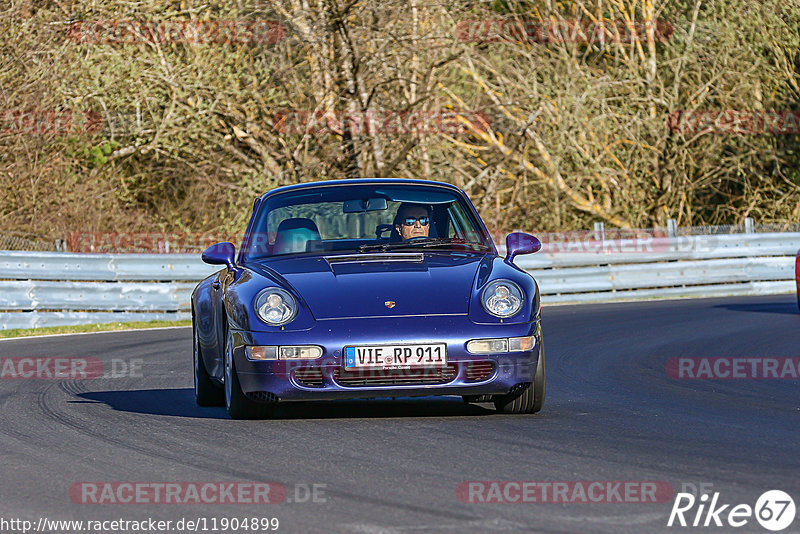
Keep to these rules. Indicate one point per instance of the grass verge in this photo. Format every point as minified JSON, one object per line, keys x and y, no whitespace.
{"x":105,"y":327}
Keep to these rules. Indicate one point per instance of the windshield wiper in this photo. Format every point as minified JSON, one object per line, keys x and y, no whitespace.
{"x":419,"y":243}
{"x":404,"y":244}
{"x":429,"y":242}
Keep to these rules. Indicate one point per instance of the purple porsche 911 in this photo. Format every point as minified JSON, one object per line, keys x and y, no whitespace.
{"x":367,"y":288}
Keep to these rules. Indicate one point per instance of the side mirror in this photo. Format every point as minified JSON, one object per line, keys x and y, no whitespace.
{"x":520,"y":243}
{"x":220,"y":254}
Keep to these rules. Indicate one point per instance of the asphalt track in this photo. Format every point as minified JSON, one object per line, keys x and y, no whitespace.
{"x":612,"y":414}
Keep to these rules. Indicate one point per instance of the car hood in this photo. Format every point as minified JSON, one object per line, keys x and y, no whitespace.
{"x":379,"y":284}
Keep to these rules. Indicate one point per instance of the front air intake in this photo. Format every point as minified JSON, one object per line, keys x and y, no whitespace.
{"x":262,"y":396}
{"x":479,"y":371}
{"x":395,"y":377}
{"x":310,"y":377}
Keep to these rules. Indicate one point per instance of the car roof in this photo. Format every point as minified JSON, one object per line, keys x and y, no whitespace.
{"x":360,"y":181}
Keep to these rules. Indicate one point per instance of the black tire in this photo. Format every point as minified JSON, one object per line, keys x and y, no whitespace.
{"x":237,"y":404}
{"x":206,"y":392}
{"x":526,"y":397}
{"x":798,"y":292}
{"x":539,"y":383}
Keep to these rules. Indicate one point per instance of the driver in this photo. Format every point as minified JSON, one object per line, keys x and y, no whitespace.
{"x":412,"y":220}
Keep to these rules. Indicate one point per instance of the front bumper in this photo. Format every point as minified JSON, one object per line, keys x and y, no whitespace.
{"x":326,"y":379}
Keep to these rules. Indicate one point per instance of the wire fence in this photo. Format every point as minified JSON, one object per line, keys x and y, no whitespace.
{"x":32,"y":243}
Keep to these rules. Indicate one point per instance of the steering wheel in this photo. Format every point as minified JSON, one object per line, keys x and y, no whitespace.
{"x":382,"y":228}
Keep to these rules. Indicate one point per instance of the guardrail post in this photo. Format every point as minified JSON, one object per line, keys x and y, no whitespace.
{"x":749,"y":226}
{"x":599,"y":231}
{"x":672,"y":228}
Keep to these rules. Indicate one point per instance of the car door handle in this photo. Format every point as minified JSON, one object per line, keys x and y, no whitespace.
{"x":215,"y":285}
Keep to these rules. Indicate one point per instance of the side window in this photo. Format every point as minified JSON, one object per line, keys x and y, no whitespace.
{"x":461,"y":227}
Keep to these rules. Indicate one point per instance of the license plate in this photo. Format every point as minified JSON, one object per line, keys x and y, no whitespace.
{"x":395,"y":356}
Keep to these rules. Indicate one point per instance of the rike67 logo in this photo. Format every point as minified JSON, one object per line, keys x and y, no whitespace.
{"x":774,"y":510}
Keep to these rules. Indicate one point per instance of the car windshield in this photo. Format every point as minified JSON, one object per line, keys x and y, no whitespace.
{"x":365,"y":219}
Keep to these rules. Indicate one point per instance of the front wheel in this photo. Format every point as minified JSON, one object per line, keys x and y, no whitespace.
{"x":237,"y":404}
{"x":527,"y":397}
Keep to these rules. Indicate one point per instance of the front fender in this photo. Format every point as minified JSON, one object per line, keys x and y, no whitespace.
{"x":239,"y":301}
{"x":494,"y":268}
{"x":207,"y":317}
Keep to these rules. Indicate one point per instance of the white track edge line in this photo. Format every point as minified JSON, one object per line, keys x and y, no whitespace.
{"x":87,"y":333}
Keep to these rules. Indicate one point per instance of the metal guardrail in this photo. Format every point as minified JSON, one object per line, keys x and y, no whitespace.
{"x":106,"y":267}
{"x":683,"y":266}
{"x":51,"y":288}
{"x":54,"y":289}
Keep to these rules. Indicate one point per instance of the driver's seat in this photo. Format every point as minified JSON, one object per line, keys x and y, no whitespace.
{"x":294,"y":234}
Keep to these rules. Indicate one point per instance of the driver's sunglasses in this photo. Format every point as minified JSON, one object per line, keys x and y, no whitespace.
{"x":424,"y":221}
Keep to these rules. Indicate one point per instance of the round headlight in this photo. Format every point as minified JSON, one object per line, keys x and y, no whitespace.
{"x":502,"y":298}
{"x":275,"y":306}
